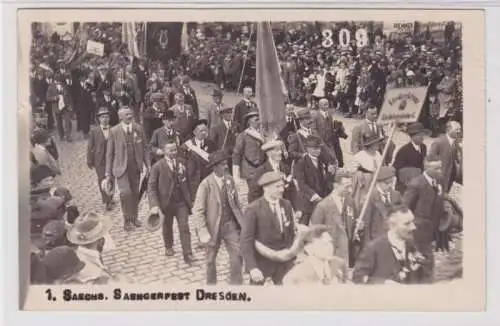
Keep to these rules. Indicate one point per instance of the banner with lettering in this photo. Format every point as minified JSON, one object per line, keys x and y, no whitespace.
{"x":402,"y":105}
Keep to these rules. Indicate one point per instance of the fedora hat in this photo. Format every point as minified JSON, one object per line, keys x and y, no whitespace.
{"x":372,"y":139}
{"x":302,"y":113}
{"x":62,"y":262}
{"x":198,"y":123}
{"x":89,"y":228}
{"x":154,"y":221}
{"x":250,"y":114}
{"x":225,"y":109}
{"x":217,"y":157}
{"x":312,"y":141}
{"x":108,"y":186}
{"x":269,"y":178}
{"x":417,"y":128}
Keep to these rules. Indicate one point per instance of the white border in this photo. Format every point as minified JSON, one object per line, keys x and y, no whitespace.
{"x":9,"y":261}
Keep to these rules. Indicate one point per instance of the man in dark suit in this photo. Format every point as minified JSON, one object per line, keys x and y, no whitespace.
{"x":96,"y":153}
{"x":243,"y":107}
{"x":168,"y":193}
{"x":367,"y":129}
{"x":163,"y":135}
{"x":111,"y":103}
{"x":189,"y":95}
{"x":125,"y":157}
{"x":195,"y":152}
{"x":393,"y":257}
{"x":184,"y":116}
{"x":274,"y":162}
{"x":103,"y":80}
{"x":217,"y":212}
{"x":312,"y":174}
{"x":381,"y":199}
{"x":424,"y":197}
{"x":152,"y":115}
{"x":446,"y":150}
{"x":412,"y":154}
{"x":219,"y":134}
{"x":270,"y":221}
{"x":60,"y":101}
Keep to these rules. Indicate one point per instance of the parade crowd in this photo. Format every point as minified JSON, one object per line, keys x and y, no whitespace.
{"x":289,"y":210}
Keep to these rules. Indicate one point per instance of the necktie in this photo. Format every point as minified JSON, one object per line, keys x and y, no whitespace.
{"x":277,"y":212}
{"x":386,"y":198}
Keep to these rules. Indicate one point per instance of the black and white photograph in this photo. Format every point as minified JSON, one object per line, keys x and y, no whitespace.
{"x":262,"y":153}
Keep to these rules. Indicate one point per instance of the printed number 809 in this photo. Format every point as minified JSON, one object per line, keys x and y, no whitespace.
{"x":344,"y":40}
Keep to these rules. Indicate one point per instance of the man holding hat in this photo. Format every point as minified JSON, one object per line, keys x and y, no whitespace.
{"x":412,"y":154}
{"x":314,"y":178}
{"x":163,"y":135}
{"x":270,"y":221}
{"x":247,"y":153}
{"x":169,"y":194}
{"x":382,"y":198}
{"x":216,"y":212}
{"x":125,"y":157}
{"x":96,"y":153}
{"x":196,"y":152}
{"x":224,"y":134}
{"x":213,"y":113}
{"x":274,"y":162}
{"x":185,"y":116}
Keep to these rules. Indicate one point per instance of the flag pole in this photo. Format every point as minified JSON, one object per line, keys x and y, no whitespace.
{"x":359,"y":222}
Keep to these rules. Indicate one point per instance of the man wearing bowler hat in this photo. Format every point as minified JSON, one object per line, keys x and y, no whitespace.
{"x":217,"y":213}
{"x":96,"y":153}
{"x":169,"y":194}
{"x":412,"y":154}
{"x":248,"y":154}
{"x":270,"y":221}
{"x":213,"y":113}
{"x":125,"y":157}
{"x":163,"y":135}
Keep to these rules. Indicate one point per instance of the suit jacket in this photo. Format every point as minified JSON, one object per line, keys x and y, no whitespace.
{"x":160,"y":137}
{"x":375,"y":217}
{"x":196,"y":167}
{"x":218,"y":135}
{"x":363,"y":130}
{"x":96,"y":148}
{"x":248,"y":155}
{"x":161,"y":185}
{"x":240,"y":110}
{"x":116,"y":151}
{"x":254,"y":190}
{"x":330,"y":132}
{"x":442,"y":150}
{"x":327,"y":213}
{"x":112,"y":106}
{"x":260,"y":224}
{"x":408,"y":156}
{"x":184,"y":121}
{"x":212,"y":115}
{"x":296,"y":148}
{"x":378,"y":263}
{"x":311,"y":180}
{"x":207,"y":205}
{"x":190,"y":99}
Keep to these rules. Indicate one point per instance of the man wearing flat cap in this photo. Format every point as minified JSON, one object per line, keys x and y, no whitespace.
{"x":274,"y":162}
{"x":411,"y":155}
{"x":125,"y":157}
{"x":314,"y":178}
{"x":248,"y":154}
{"x":185,"y":116}
{"x":96,"y":153}
{"x":383,"y":196}
{"x":213,"y":113}
{"x":270,"y":221}
{"x":162,"y":135}
{"x":195,"y":153}
{"x":217,"y":212}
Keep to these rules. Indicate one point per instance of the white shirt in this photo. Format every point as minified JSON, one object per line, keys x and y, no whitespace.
{"x":219,"y":181}
{"x":373,"y":126}
{"x":368,"y":162}
{"x":171,"y":164}
{"x":324,"y":113}
{"x":105,"y":131}
{"x":198,"y":142}
{"x":274,"y":165}
{"x":417,"y":147}
{"x":305,"y":132}
{"x":384,"y":195}
{"x":339,"y":201}
{"x":314,"y":161}
{"x":450,"y":140}
{"x":397,"y":244}
{"x":276,"y":209}
{"x":227,"y":124}
{"x":127,"y":128}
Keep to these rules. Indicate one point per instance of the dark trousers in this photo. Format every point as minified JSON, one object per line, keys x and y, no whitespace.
{"x":101,"y":172}
{"x":228,"y":233}
{"x":424,"y":236}
{"x":181,"y":213}
{"x":277,"y":273}
{"x":63,"y":122}
{"x":128,"y":185}
{"x":50,"y":115}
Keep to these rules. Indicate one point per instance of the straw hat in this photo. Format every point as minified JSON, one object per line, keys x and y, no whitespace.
{"x":89,"y":228}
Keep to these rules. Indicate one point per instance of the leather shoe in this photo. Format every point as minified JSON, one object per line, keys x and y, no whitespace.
{"x":169,"y":252}
{"x":137,"y":223}
{"x":128,"y":227}
{"x":189,"y":259}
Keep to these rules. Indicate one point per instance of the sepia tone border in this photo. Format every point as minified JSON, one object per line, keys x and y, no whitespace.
{"x":467,"y":294}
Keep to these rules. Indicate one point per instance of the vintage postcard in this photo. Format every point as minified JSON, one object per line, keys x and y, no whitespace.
{"x":252,"y":159}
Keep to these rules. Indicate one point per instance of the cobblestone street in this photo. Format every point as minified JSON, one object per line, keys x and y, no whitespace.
{"x":140,"y":254}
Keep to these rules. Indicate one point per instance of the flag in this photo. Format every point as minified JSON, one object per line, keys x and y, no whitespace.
{"x":129,"y":38}
{"x":184,"y":38}
{"x":164,"y":40}
{"x":270,"y":89}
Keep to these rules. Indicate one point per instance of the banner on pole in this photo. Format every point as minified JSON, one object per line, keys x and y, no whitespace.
{"x":402,"y":105}
{"x":95,"y":48}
